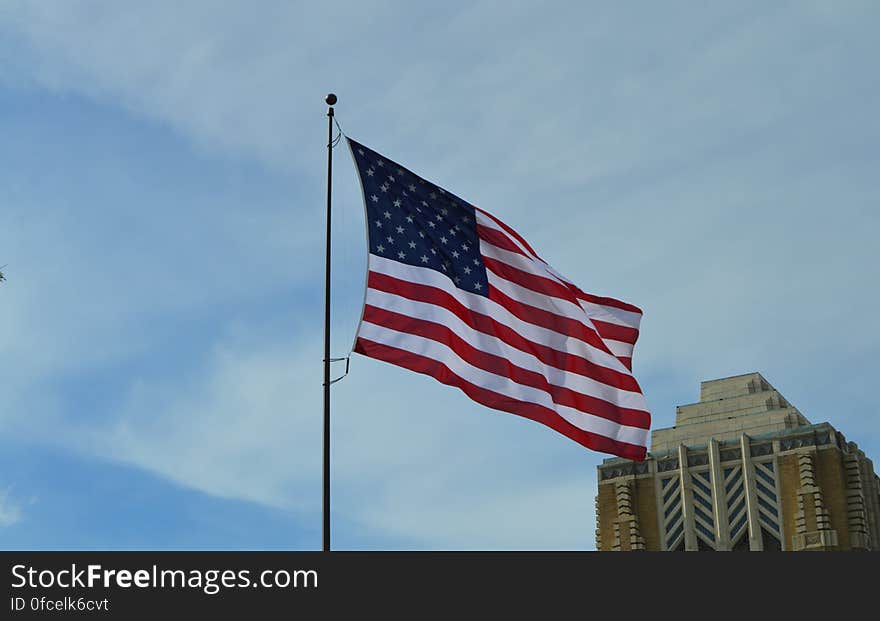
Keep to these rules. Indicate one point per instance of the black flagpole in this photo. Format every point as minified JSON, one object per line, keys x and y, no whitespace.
{"x":330,"y":100}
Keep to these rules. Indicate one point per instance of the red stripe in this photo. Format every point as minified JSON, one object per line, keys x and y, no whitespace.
{"x":503,"y":367}
{"x":538,"y":413}
{"x":595,"y":299}
{"x":566,"y":289}
{"x":509,"y":231}
{"x":496,"y":238}
{"x":546,"y":319}
{"x":627,"y":362}
{"x":487,"y":325}
{"x":533,"y":282}
{"x":616,"y":332}
{"x":499,"y":239}
{"x":548,"y":286}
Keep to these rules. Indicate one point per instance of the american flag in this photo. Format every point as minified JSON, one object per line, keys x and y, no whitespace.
{"x":454,"y":293}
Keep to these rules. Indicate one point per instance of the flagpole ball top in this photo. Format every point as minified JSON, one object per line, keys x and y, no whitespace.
{"x":330,"y":99}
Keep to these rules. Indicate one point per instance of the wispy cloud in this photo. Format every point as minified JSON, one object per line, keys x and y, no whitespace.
{"x":246,"y":425}
{"x":240,"y":427}
{"x":10,"y":509}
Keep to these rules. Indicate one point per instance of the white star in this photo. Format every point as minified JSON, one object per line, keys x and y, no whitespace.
{"x":380,"y":163}
{"x":399,"y":172}
{"x":421,"y":234}
{"x":444,"y":211}
{"x":425,"y":204}
{"x":374,"y":198}
{"x":383,"y":187}
{"x":390,"y":178}
{"x":390,"y":239}
{"x":464,"y":247}
{"x":433,"y":251}
{"x":397,"y":202}
{"x":452,"y":232}
{"x":387,"y":215}
{"x":433,"y":195}
{"x":378,"y":224}
{"x":370,"y":172}
{"x":467,"y":270}
{"x":443,"y":240}
{"x":439,"y":217}
{"x":380,"y":247}
{"x":465,"y":219}
{"x":455,"y":254}
{"x":478,"y":286}
{"x":412,"y":188}
{"x":476,"y":261}
{"x":424,"y":259}
{"x":361,"y":151}
{"x":412,"y":244}
{"x":431,"y":224}
{"x":409,"y":219}
{"x":400,"y":230}
{"x":401,"y":255}
{"x":457,"y":280}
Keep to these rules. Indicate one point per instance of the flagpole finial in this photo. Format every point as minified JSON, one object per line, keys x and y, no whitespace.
{"x":330,"y":99}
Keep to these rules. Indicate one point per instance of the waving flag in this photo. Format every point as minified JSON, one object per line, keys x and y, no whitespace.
{"x":454,"y":293}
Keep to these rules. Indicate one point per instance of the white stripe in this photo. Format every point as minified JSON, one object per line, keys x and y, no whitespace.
{"x":520,"y":262}
{"x":559,"y":306}
{"x":492,"y":345}
{"x":619,"y":348}
{"x":611,"y":314}
{"x":554,"y":306}
{"x":576,"y":310}
{"x":556,"y":340}
{"x":501,"y":385}
{"x":484,"y":220}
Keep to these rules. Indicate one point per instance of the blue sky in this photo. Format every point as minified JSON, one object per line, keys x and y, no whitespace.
{"x":161,"y":211}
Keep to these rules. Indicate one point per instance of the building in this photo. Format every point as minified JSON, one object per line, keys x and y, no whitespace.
{"x":740,"y":470}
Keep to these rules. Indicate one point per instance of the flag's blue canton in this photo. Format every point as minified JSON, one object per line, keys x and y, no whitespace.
{"x":413,"y":221}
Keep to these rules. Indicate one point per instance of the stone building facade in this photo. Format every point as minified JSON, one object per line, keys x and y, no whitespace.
{"x":740,"y":470}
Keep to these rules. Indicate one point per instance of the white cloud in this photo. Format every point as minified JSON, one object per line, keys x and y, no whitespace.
{"x":551,"y":515}
{"x":82,"y":295}
{"x":239,"y":429}
{"x":230,"y":77}
{"x":10,"y":510}
{"x":416,"y":463}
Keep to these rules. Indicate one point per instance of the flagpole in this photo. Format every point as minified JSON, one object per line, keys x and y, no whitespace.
{"x":330,"y":100}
